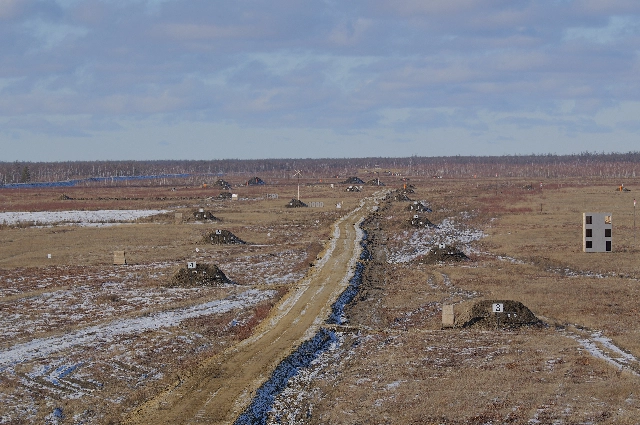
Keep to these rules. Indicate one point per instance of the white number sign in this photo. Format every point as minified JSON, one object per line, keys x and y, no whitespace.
{"x":191,"y":264}
{"x":498,"y":307}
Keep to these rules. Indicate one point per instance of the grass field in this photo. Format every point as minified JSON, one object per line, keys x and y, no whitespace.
{"x":396,"y":365}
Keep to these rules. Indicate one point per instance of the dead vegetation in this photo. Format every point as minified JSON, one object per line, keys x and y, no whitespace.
{"x":395,"y":365}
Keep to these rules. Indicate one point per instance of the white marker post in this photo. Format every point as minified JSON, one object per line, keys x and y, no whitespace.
{"x":497,"y":308}
{"x":191,"y":265}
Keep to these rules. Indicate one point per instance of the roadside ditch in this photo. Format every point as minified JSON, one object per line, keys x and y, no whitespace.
{"x":261,"y":405}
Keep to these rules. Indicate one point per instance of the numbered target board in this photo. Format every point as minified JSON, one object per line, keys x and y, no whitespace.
{"x":497,"y":307}
{"x":191,"y":264}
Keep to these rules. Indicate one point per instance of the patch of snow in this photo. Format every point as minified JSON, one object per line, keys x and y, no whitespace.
{"x":603,"y":348}
{"x":82,"y":218}
{"x":420,"y":242}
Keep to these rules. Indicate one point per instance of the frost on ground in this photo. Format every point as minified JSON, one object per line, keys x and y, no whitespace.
{"x":419,"y":242}
{"x":82,"y":218}
{"x":90,"y":340}
{"x":88,"y":337}
{"x":604,"y":348}
{"x":86,"y":365}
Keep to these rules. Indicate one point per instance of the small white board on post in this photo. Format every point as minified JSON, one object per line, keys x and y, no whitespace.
{"x":497,"y":307}
{"x":191,"y":264}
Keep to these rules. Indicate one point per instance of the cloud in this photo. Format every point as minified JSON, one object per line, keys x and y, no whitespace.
{"x":387,"y":70}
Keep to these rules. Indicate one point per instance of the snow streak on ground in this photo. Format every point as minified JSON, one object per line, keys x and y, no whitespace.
{"x":46,"y":346}
{"x":102,"y":364}
{"x":81,"y":218}
{"x":603,"y":348}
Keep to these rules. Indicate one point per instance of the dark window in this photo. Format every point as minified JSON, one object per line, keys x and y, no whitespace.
{"x":608,"y":249}
{"x":587,"y":219}
{"x":607,"y":233}
{"x":588,"y":244}
{"x":588,"y":233}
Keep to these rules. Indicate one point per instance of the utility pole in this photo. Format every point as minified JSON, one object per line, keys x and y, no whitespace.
{"x":297,"y":173}
{"x":634,"y":224}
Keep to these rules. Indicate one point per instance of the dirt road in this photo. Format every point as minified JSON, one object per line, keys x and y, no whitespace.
{"x":223,"y":387}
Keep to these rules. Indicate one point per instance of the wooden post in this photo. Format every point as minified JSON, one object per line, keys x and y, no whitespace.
{"x":448,"y":318}
{"x":119,"y":258}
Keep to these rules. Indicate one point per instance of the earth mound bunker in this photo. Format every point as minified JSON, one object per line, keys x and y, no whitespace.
{"x":399,"y":196}
{"x":225,"y":195}
{"x":442,"y":254}
{"x":296,"y":203}
{"x":255,"y":181}
{"x":200,"y":275}
{"x":483,"y":315}
{"x":418,"y":207}
{"x":420,"y":222}
{"x":222,"y":237}
{"x":375,"y":182}
{"x":203,"y":215}
{"x":353,"y":180}
{"x":222,"y":184}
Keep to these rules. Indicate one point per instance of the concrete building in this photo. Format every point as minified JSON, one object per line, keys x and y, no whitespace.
{"x":596,"y":232}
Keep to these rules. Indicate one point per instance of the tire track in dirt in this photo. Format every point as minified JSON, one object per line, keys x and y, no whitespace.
{"x":218,"y":391}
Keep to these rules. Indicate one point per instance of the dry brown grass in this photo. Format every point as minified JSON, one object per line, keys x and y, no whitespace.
{"x":401,"y":368}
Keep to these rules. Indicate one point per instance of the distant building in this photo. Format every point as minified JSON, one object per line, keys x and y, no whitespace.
{"x":596,"y":232}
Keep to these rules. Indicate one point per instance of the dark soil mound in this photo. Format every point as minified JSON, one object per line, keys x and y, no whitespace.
{"x":296,"y":203}
{"x":200,"y":275}
{"x":204,"y":216}
{"x":444,"y":254}
{"x":224,"y":195}
{"x":400,"y":197}
{"x":479,"y":314}
{"x":224,"y":185}
{"x":375,"y":182}
{"x":353,"y":180}
{"x":222,"y":237}
{"x":417,"y":221}
{"x":418,"y":207}
{"x":255,"y":181}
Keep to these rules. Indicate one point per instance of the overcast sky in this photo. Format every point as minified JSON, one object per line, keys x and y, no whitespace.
{"x":209,"y":79}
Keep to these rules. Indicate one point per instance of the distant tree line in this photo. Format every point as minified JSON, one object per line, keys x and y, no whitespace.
{"x":585,"y":164}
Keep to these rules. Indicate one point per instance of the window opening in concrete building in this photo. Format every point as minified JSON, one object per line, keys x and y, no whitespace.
{"x":608,"y":249}
{"x":607,"y":233}
{"x":587,"y":219}
{"x":589,"y":244}
{"x":588,"y":233}
{"x":607,"y":219}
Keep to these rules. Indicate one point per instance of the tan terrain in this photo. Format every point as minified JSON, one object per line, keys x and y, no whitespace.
{"x":223,"y":387}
